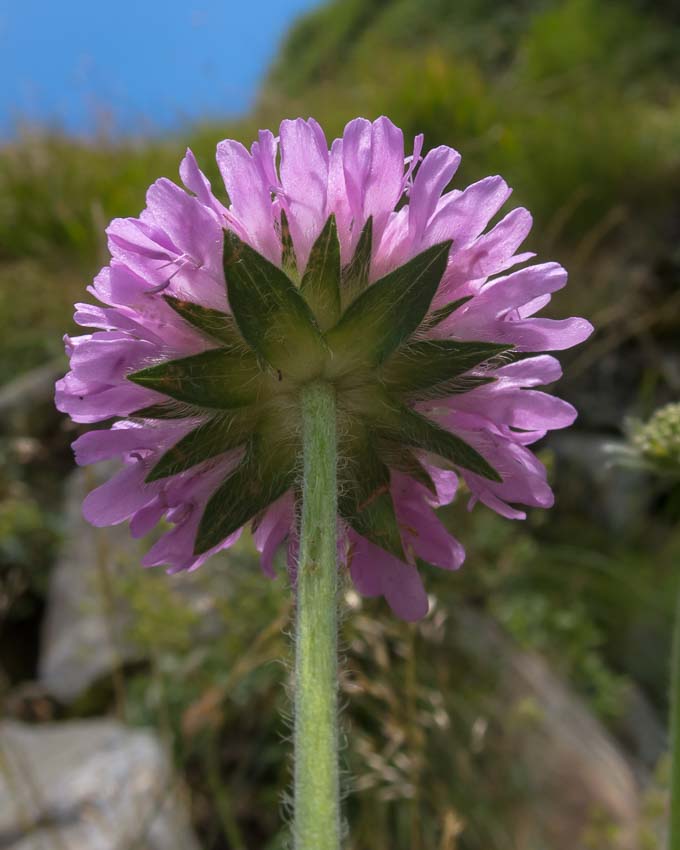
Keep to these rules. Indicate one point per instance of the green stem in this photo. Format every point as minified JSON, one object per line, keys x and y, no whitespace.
{"x":674,"y":841}
{"x":317,"y":788}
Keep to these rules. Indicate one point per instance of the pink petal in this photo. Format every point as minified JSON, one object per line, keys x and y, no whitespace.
{"x":176,"y":547}
{"x":147,"y":518}
{"x":196,"y":181}
{"x":264,"y":152}
{"x":434,"y":175}
{"x":250,"y":197}
{"x":119,"y":497}
{"x":126,"y":437}
{"x":421,"y":530}
{"x":373,"y":165}
{"x":337,"y":201}
{"x":519,"y":288}
{"x":403,"y":589}
{"x":533,"y":306}
{"x":529,"y":410}
{"x":462,"y":216}
{"x":375,"y":571}
{"x":491,"y":253}
{"x":531,"y":371}
{"x":427,"y":536}
{"x":304,"y":178}
{"x":97,"y":406}
{"x":116,"y":284}
{"x":366,"y":577}
{"x":540,"y":334}
{"x":192,"y":228}
{"x":272,"y":530}
{"x":131,"y":238}
{"x":108,"y":357}
{"x":445,"y":482}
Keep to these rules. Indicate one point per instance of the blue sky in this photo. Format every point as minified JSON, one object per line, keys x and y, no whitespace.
{"x":134,"y":66}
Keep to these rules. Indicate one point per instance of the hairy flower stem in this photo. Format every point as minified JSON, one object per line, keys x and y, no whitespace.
{"x":317,"y":791}
{"x":674,"y":833}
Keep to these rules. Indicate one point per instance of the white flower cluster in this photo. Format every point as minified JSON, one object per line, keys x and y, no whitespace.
{"x":658,"y":440}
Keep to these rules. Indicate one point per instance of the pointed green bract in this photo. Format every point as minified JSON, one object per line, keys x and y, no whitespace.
{"x":220,"y":378}
{"x":402,"y":459}
{"x":246,"y":394}
{"x":212,"y":438}
{"x":388,"y":312}
{"x":356,"y":273}
{"x":321,"y":280}
{"x":253,"y":486}
{"x":365,"y":501}
{"x":270,"y":312}
{"x":438,"y":316}
{"x":404,"y":425}
{"x":214,"y":323}
{"x":288,"y":258}
{"x":377,"y":522}
{"x":423,"y":364}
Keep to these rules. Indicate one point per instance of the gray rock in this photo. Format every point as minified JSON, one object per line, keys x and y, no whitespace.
{"x":82,"y":636}
{"x":86,"y":633}
{"x":88,"y":785}
{"x":581,"y":781}
{"x":22,"y":397}
{"x":642,"y":732}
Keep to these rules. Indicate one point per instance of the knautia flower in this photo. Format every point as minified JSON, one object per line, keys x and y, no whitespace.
{"x":352,"y":265}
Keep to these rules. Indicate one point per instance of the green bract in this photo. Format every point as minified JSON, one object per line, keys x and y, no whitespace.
{"x":288,"y":329}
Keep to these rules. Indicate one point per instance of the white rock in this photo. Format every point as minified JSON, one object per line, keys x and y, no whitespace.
{"x":82,"y":634}
{"x":86,"y":630}
{"x":578,"y":776}
{"x":88,"y":785}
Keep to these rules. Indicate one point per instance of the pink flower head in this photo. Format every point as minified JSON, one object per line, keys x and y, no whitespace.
{"x":350,"y":264}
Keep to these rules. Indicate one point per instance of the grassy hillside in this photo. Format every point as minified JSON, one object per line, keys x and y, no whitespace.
{"x":576,"y":103}
{"x":328,"y":42}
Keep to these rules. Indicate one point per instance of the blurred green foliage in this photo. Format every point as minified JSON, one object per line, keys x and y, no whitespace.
{"x":29,"y":533}
{"x":434,"y":731}
{"x":566,"y":100}
{"x":577,"y":104}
